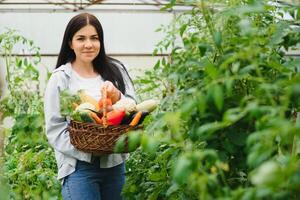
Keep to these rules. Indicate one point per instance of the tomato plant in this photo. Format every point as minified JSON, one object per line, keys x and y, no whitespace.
{"x":228,"y":123}
{"x":28,"y":169}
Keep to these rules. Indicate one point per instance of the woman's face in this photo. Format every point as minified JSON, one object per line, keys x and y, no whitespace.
{"x":86,"y":44}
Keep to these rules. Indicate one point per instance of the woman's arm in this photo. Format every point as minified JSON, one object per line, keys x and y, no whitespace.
{"x":56,"y":125}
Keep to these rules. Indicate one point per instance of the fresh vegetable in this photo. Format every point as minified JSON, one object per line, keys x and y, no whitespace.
{"x":115,"y":117}
{"x":95,"y":117}
{"x":144,"y":114}
{"x":85,"y":106}
{"x":86,"y":98}
{"x":82,"y":116}
{"x":129,"y":117}
{"x":100,"y":112}
{"x":67,"y":102}
{"x":126,"y":103}
{"x":147,"y":105}
{"x":136,"y":119}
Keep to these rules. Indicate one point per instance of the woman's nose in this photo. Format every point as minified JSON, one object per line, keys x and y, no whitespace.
{"x":88,"y":44}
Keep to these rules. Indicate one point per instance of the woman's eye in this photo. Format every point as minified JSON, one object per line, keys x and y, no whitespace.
{"x":80,"y":39}
{"x":95,"y":38}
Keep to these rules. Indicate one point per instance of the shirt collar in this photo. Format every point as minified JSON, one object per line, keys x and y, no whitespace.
{"x":66,"y":68}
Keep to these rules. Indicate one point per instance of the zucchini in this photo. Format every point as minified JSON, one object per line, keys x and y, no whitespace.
{"x":147,"y":105}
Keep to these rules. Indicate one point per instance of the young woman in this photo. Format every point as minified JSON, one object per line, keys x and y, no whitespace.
{"x":83,"y":64}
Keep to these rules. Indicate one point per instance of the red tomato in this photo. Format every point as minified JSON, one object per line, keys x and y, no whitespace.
{"x":115,"y":117}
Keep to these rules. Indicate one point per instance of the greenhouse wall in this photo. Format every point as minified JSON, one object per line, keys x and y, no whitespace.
{"x":130,"y":35}
{"x":129,"y":32}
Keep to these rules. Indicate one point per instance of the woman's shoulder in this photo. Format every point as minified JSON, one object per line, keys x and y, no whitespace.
{"x":63,"y":69}
{"x":60,"y":74}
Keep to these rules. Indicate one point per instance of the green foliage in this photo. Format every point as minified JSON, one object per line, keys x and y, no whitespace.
{"x":67,"y":100}
{"x":227,"y":126}
{"x":29,"y":169}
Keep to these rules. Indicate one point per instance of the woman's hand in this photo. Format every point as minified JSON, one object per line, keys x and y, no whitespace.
{"x":112,"y":92}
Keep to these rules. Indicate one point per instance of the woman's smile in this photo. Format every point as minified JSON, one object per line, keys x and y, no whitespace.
{"x":85,"y":44}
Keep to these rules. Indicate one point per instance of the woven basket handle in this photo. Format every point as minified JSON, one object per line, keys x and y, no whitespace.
{"x":104,"y":96}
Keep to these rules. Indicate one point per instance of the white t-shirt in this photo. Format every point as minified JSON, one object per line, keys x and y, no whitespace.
{"x":91,"y":86}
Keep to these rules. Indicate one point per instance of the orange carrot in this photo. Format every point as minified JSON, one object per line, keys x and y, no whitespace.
{"x":136,"y":119}
{"x":95,"y":118}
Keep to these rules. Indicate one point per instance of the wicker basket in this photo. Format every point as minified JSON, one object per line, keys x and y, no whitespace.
{"x":97,"y":138}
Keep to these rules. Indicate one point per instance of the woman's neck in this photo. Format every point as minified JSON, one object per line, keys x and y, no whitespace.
{"x":85,"y":70}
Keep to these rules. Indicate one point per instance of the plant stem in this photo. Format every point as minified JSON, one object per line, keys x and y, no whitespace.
{"x":1,"y":137}
{"x":7,"y":64}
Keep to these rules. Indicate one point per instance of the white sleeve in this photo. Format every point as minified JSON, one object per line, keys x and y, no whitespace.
{"x":56,"y":125}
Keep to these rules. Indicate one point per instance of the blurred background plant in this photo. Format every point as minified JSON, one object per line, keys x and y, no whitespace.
{"x":228,"y":123}
{"x":28,"y":169}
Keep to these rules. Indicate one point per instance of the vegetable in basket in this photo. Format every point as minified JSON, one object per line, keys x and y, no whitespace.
{"x":128,"y":104}
{"x":129,"y":117}
{"x":115,"y":117}
{"x":85,"y":98}
{"x":147,"y":105}
{"x":85,"y":106}
{"x":67,"y":102}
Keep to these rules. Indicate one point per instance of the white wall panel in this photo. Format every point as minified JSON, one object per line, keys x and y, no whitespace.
{"x":124,"y":32}
{"x":130,"y":33}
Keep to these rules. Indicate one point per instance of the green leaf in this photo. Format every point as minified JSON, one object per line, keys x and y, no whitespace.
{"x":149,"y":144}
{"x":205,"y":131}
{"x":218,"y":96}
{"x":174,"y":187}
{"x":154,"y":195}
{"x":134,"y":139}
{"x":182,"y":170}
{"x":279,"y":34}
{"x":163,"y":61}
{"x":201,"y":100}
{"x":203,"y":48}
{"x":145,"y":81}
{"x":173,"y":121}
{"x":168,"y":6}
{"x":266,"y":174}
{"x":120,"y":144}
{"x":157,"y":176}
{"x":217,"y":36}
{"x":18,"y":62}
{"x":229,"y":86}
{"x":157,"y":65}
{"x":211,"y":69}
{"x":233,"y":115}
{"x":296,"y":145}
{"x":182,"y":29}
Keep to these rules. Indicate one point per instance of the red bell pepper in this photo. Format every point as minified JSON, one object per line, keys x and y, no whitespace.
{"x":115,"y":117}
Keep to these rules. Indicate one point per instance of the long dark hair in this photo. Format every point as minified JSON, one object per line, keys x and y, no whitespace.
{"x":106,"y":66}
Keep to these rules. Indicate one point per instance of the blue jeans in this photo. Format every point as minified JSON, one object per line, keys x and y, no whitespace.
{"x":90,"y":182}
